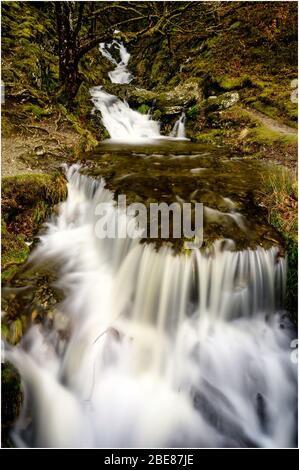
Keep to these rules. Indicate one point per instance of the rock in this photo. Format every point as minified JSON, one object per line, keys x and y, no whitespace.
{"x":39,"y":150}
{"x":170,"y":102}
{"x":223,"y":101}
{"x":27,"y":201}
{"x":11,"y":401}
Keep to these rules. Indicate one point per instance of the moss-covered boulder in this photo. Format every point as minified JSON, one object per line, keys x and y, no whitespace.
{"x":173,"y":101}
{"x":223,"y":101}
{"x":27,"y":201}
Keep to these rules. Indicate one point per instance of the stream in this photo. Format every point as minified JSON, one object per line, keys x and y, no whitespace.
{"x":154,"y":346}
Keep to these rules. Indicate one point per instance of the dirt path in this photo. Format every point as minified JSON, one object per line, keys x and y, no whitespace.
{"x":35,"y":150}
{"x":271,"y":123}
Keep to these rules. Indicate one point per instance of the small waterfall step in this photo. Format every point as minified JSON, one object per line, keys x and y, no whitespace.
{"x":127,"y":125}
{"x":123,"y":123}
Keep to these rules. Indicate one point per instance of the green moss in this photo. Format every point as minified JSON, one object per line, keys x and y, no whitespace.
{"x":157,"y":115}
{"x":36,"y":111}
{"x":193,"y":112}
{"x":89,"y":140}
{"x":214,"y":136}
{"x":279,"y":189}
{"x":264,"y":135}
{"x":143,"y":109}
{"x":235,"y":25}
{"x":274,"y":100}
{"x":15,"y":331}
{"x":230,"y":83}
{"x":14,"y":253}
{"x":27,"y":201}
{"x":28,"y":189}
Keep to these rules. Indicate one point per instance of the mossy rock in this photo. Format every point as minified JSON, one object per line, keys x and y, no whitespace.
{"x":27,"y":201}
{"x":11,"y":401}
{"x":220,"y":102}
{"x":15,"y":252}
{"x":170,"y":102}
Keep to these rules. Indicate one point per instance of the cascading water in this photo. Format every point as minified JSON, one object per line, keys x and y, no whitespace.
{"x":126,"y":125}
{"x":120,"y":74}
{"x":153,"y":349}
{"x":179,"y":127}
{"x":123,"y":123}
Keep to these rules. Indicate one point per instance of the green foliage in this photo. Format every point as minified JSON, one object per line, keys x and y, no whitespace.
{"x":280,"y":198}
{"x":157,"y":115}
{"x":143,"y":109}
{"x":214,"y":136}
{"x":262,"y":134}
{"x":14,"y":252}
{"x":36,"y":111}
{"x":291,"y":245}
{"x":193,"y":112}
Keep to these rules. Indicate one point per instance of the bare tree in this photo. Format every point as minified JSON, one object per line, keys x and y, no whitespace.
{"x":82,"y":25}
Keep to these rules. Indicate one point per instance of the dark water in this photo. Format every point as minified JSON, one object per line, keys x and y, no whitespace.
{"x":230,"y":186}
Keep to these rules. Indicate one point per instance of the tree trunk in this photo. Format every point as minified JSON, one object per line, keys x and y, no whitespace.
{"x":69,"y":76}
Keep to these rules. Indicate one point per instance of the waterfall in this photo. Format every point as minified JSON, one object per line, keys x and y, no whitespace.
{"x":120,"y":74}
{"x":152,"y":349}
{"x":179,"y":127}
{"x":126,"y":125}
{"x":123,"y":123}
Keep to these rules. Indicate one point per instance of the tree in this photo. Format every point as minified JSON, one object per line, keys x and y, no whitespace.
{"x":83,"y":25}
{"x":71,"y":46}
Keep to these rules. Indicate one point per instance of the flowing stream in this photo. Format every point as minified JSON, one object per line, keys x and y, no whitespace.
{"x":120,"y":74}
{"x":123,"y":123}
{"x":151,"y":348}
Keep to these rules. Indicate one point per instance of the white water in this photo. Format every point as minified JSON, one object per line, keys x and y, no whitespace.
{"x":129,"y":126}
{"x":123,"y":123}
{"x":150,"y":349}
{"x":120,"y":74}
{"x":179,"y":128}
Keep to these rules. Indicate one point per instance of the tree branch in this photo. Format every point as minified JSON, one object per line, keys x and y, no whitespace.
{"x":79,"y":20}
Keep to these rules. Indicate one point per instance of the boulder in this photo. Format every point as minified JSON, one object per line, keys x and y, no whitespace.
{"x":223,"y":101}
{"x":169,"y":103}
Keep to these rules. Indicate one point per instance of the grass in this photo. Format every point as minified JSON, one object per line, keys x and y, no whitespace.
{"x":280,"y":189}
{"x":263,"y":134}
